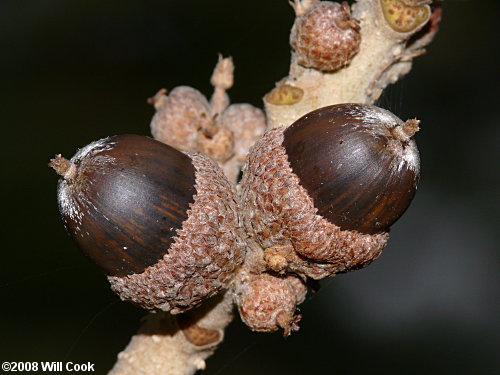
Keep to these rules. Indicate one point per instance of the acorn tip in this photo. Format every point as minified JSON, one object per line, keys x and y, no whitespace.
{"x":62,"y":166}
{"x":410,"y":127}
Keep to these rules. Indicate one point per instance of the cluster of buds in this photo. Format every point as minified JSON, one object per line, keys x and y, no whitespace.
{"x":185,"y":119}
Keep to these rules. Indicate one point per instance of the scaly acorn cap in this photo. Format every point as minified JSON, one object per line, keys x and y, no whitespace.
{"x":205,"y":255}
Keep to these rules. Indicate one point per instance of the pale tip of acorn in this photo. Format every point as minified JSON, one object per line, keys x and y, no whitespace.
{"x":410,"y":127}
{"x":63,"y":167}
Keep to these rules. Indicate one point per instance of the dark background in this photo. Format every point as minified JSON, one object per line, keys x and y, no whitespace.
{"x":76,"y":71}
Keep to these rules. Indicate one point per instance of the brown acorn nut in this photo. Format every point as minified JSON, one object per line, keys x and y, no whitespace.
{"x":325,"y":37}
{"x":162,"y":224}
{"x":329,"y":187}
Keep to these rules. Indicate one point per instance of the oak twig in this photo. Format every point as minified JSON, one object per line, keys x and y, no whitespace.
{"x":179,"y":344}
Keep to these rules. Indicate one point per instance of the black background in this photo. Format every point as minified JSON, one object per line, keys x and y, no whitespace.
{"x":76,"y":71}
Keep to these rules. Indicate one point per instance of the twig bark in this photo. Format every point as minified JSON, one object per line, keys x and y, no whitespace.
{"x":176,"y":344}
{"x":384,"y":57}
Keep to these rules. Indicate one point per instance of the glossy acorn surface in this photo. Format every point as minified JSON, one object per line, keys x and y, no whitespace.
{"x":357,"y":162}
{"x":123,"y":198}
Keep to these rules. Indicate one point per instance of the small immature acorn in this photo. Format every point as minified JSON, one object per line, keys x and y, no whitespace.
{"x":179,"y":116}
{"x":328,"y":188}
{"x":162,"y":224}
{"x":247,"y":123}
{"x":324,"y":36}
{"x":186,"y":120}
{"x":267,"y":303}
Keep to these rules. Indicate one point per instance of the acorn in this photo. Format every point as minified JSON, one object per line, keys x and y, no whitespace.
{"x":324,"y":36}
{"x":179,"y":116}
{"x":328,"y":188}
{"x":162,"y":224}
{"x":267,"y":302}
